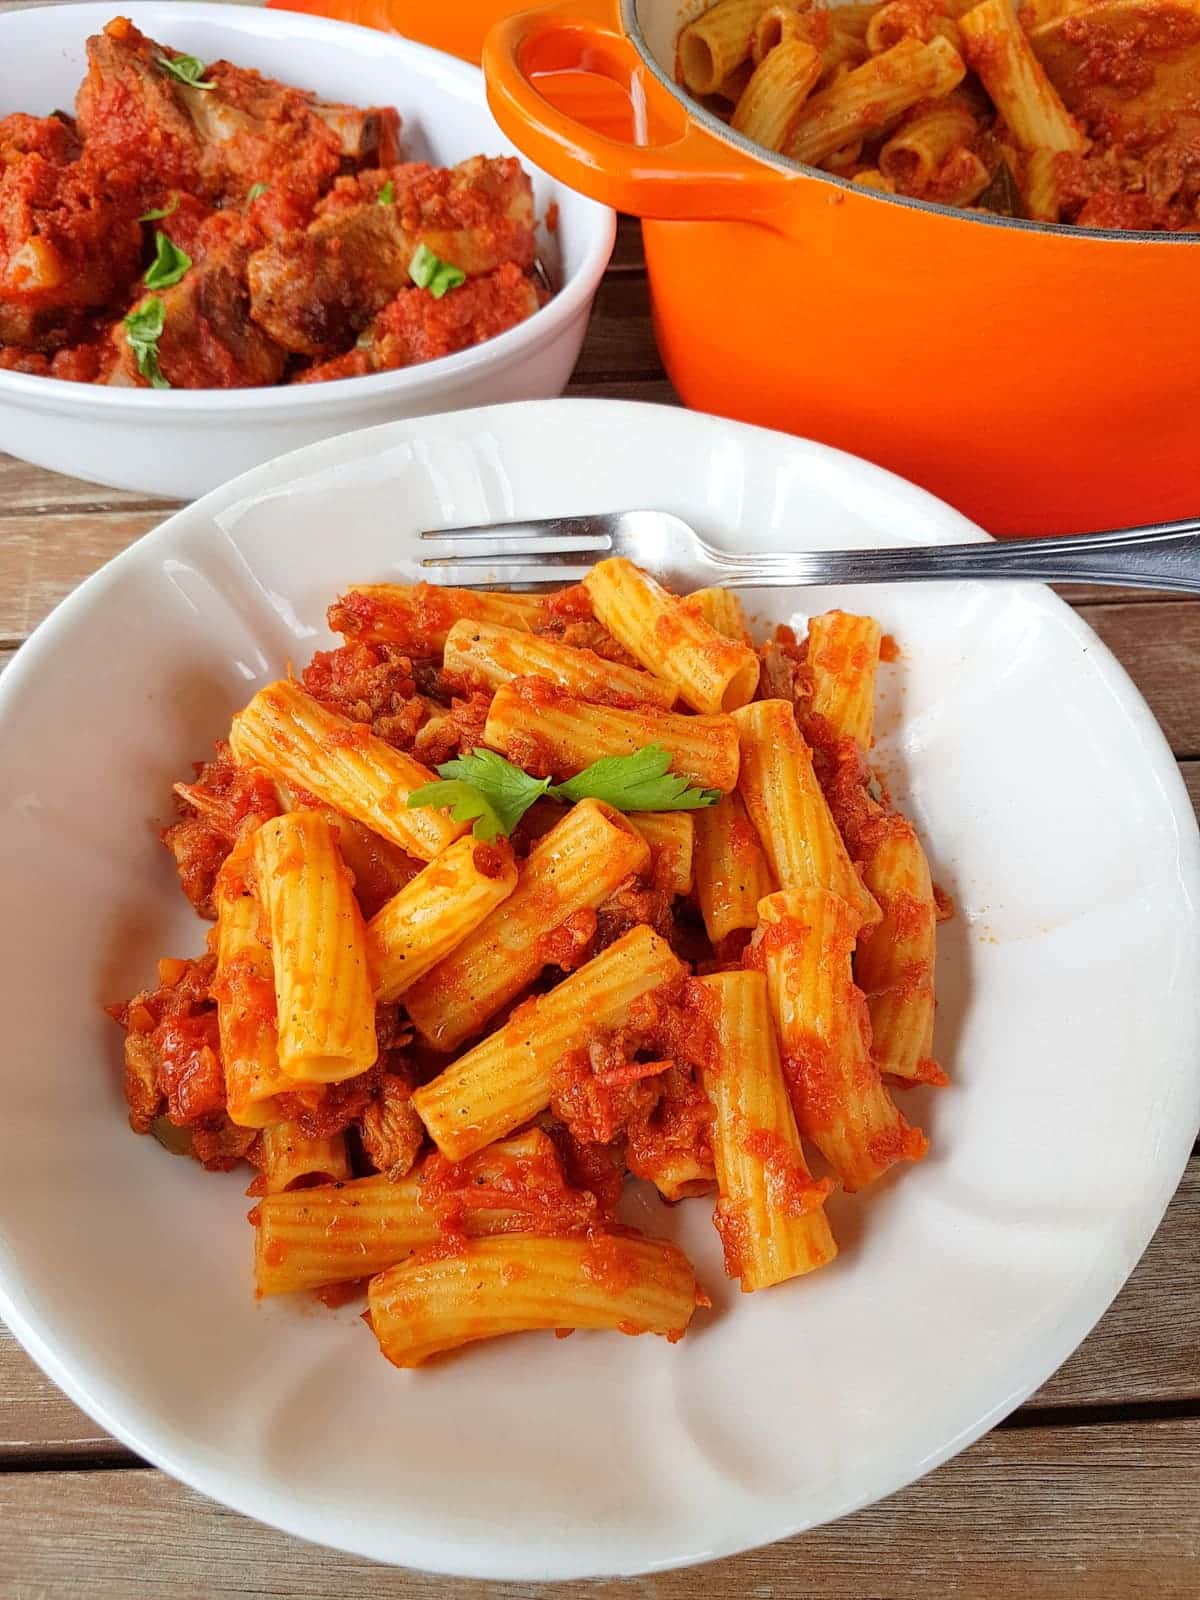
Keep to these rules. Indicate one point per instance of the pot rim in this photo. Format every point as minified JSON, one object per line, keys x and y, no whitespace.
{"x":712,"y":124}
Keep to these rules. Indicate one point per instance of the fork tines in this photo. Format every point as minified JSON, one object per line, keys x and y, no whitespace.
{"x":509,"y":555}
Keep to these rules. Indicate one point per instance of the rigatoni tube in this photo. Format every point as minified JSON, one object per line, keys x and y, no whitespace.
{"x":806,"y":940}
{"x":434,"y":913}
{"x":894,"y":967}
{"x":788,"y":809}
{"x":671,"y":639}
{"x":288,"y":1156}
{"x":301,"y":742}
{"x":843,"y":653}
{"x":483,"y":652}
{"x":872,"y":96}
{"x":999,"y":50}
{"x":671,"y":836}
{"x":731,"y":872}
{"x":244,"y":989}
{"x":538,"y":726}
{"x":339,"y":1232}
{"x":507,"y":1078}
{"x":770,"y":1214}
{"x":323,"y":999}
{"x":573,"y":868}
{"x":513,"y":1284}
{"x":419,"y":616}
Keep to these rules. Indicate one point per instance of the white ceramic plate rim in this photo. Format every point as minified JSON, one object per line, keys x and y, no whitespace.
{"x":220,"y":404}
{"x":258,"y":1498}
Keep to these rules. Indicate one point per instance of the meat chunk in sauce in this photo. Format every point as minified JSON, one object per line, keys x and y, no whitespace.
{"x":69,"y":244}
{"x":315,"y":290}
{"x":209,"y":340}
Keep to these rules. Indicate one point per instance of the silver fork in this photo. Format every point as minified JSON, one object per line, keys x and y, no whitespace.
{"x":559,"y":550}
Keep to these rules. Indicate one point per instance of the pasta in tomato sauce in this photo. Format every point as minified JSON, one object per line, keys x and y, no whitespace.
{"x":1074,"y":111}
{"x":447,"y":1013}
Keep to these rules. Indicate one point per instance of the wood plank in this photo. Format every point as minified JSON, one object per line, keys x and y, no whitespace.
{"x":1144,"y":1350}
{"x":1159,"y":645}
{"x":26,"y":489}
{"x":620,"y":340}
{"x":1097,"y":1513}
{"x":1146,"y":1346}
{"x":42,"y":558}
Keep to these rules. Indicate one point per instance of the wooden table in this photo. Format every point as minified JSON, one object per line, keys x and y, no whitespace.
{"x":1089,"y":1492}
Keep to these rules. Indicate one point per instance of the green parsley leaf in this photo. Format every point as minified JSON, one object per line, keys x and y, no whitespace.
{"x":640,"y":782}
{"x":465,"y":803}
{"x":510,"y":792}
{"x":486,"y":788}
{"x":253,"y":192}
{"x":162,"y":211}
{"x":188,"y":69}
{"x":386,"y":195}
{"x":143,"y":329}
{"x":430,"y":272}
{"x":169,"y":264}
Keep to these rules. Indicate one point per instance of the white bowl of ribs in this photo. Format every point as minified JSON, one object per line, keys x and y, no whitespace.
{"x":227,"y":232}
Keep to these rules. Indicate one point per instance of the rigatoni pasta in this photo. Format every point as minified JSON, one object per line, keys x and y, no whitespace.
{"x":446,"y":1015}
{"x":484,"y":652}
{"x":507,"y":1079}
{"x":786,"y":805}
{"x":532,"y":722}
{"x":433,"y":1303}
{"x":435,"y":912}
{"x":573,"y":869}
{"x":807,"y":937}
{"x":244,"y":989}
{"x":986,"y":104}
{"x":323,"y":999}
{"x":711,"y":671}
{"x":300,"y":741}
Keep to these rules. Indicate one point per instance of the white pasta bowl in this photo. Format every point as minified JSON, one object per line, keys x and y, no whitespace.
{"x":185,"y":442}
{"x":1054,"y":816}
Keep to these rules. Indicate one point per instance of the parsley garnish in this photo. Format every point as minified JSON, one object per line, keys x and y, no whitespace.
{"x":188,"y":69}
{"x":640,"y":782}
{"x":430,"y":272}
{"x":253,"y":192}
{"x":386,"y":195}
{"x":488,"y":790}
{"x":169,"y":264}
{"x":161,"y":211}
{"x":143,"y":329}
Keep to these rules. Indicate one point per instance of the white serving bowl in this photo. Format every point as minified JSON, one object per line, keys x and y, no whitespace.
{"x":1054,"y":815}
{"x":186,"y":442}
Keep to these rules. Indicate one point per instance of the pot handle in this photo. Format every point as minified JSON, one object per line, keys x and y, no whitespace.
{"x":670,"y":168}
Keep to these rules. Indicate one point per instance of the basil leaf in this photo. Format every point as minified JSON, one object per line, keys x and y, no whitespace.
{"x":162,"y":211}
{"x":169,"y":264}
{"x":188,"y":69}
{"x":429,"y":271}
{"x":143,"y":329}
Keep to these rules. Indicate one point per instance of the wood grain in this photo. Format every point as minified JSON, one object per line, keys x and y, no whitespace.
{"x":1159,"y":645}
{"x":1102,"y":1513}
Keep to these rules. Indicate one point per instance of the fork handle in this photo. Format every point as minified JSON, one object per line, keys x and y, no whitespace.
{"x":1162,"y":555}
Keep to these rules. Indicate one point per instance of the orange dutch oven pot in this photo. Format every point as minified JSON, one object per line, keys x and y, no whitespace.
{"x":1042,"y":379}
